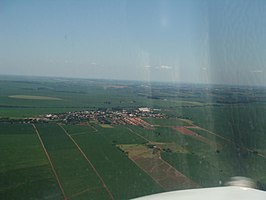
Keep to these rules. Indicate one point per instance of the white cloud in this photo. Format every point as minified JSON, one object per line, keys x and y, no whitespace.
{"x":166,"y":67}
{"x":257,"y":71}
{"x":148,"y":66}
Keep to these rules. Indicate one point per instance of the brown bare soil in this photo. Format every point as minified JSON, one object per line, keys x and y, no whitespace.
{"x":149,"y":160}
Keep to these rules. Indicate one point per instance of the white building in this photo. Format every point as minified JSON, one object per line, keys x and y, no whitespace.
{"x":145,"y":109}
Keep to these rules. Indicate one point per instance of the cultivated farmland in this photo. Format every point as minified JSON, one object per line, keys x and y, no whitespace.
{"x":101,"y":139}
{"x":124,"y":179}
{"x":25,"y":170}
{"x":75,"y":174}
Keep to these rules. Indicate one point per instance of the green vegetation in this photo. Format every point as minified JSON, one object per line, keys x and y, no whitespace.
{"x":75,"y":173}
{"x":196,"y":168}
{"x":106,"y":126}
{"x":210,"y":136}
{"x":33,"y":97}
{"x":166,"y":122}
{"x":124,"y":179}
{"x":77,"y":129}
{"x":24,"y":171}
{"x":231,"y":118}
{"x":120,"y":135}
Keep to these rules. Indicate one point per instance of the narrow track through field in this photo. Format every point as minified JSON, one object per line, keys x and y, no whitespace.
{"x":51,"y":164}
{"x":84,"y":155}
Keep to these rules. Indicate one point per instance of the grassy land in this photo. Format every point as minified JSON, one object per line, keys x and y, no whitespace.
{"x":209,"y":136}
{"x":166,"y":122}
{"x":77,"y":129}
{"x":196,"y":168}
{"x":124,"y":179}
{"x":34,"y":97}
{"x":120,"y":135}
{"x":237,"y":114}
{"x":75,"y":95}
{"x":204,"y":164}
{"x":75,"y":173}
{"x":24,"y":171}
{"x":165,"y":134}
{"x":243,"y":124}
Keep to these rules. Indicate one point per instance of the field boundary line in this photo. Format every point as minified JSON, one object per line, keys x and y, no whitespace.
{"x":189,"y":179}
{"x":95,"y":130}
{"x":147,"y":172}
{"x":230,"y":141}
{"x":138,"y":135}
{"x":227,"y":140}
{"x":51,"y":164}
{"x":83,"y":191}
{"x":84,"y":155}
{"x":80,"y":133}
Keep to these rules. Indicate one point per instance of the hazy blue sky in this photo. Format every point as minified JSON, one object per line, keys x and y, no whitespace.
{"x":178,"y":41}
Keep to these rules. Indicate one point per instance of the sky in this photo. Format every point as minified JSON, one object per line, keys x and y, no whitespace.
{"x":197,"y":41}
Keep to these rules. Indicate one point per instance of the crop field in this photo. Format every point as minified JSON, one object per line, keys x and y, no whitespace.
{"x":166,"y":135}
{"x":218,"y":139}
{"x":166,"y":122}
{"x":77,"y":129}
{"x":24,"y":171}
{"x":121,"y":135}
{"x":196,"y":168}
{"x":124,"y":179}
{"x":33,"y":97}
{"x":75,"y":173}
{"x":196,"y":136}
{"x":88,"y":139}
{"x":164,"y":174}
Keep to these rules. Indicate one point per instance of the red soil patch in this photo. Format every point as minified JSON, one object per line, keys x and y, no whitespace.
{"x":185,"y":131}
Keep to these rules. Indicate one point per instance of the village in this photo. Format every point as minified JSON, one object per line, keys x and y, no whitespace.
{"x":105,"y":116}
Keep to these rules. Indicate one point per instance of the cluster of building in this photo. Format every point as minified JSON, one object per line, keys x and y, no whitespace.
{"x":108,"y":116}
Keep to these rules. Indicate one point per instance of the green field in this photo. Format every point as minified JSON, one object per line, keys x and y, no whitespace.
{"x":122,"y":176}
{"x":89,"y":163}
{"x":166,"y":122}
{"x":75,"y":173}
{"x":76,"y":129}
{"x":33,"y":97}
{"x":25,"y":172}
{"x":120,"y":135}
